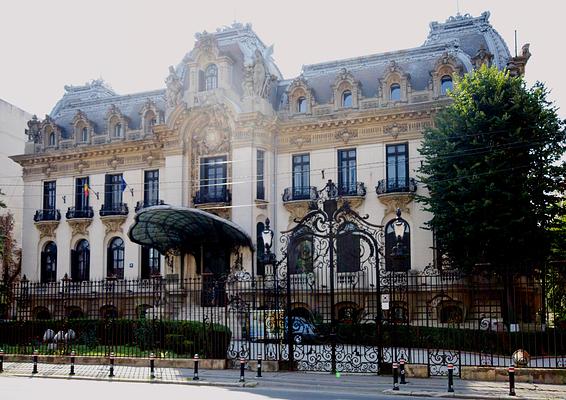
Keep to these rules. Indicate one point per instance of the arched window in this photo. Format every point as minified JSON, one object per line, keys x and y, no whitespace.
{"x":149,"y":121}
{"x":348,"y":249}
{"x":301,"y":252}
{"x":115,"y":258}
{"x":445,"y":84}
{"x":302,"y":105}
{"x":118,"y":130}
{"x":397,"y":264}
{"x":347,"y":99}
{"x":52,"y":139}
{"x":49,"y":263}
{"x":80,"y":261}
{"x":395,"y":92}
{"x":260,"y":253}
{"x":150,"y":262}
{"x":211,"y":77}
{"x":84,"y":135}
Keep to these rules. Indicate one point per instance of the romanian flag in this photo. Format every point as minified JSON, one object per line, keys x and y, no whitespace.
{"x":86,"y":189}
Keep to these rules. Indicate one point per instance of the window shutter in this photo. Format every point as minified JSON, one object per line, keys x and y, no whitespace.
{"x":86,"y":275}
{"x":75,"y":273}
{"x":43,"y":276}
{"x":145,"y":262}
{"x":201,"y":81}
{"x":109,"y":262}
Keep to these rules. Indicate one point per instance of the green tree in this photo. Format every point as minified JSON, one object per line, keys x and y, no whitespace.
{"x":493,"y":171}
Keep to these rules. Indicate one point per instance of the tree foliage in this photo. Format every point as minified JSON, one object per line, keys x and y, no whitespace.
{"x":493,"y":170}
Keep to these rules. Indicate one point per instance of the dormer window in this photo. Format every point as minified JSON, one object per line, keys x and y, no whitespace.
{"x":395,"y":92}
{"x":84,"y":135}
{"x":446,"y":84}
{"x":301,"y":105}
{"x":118,"y":130}
{"x":211,"y":77}
{"x":51,"y":140}
{"x":347,"y":99}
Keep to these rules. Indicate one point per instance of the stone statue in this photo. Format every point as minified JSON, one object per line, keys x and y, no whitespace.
{"x":33,"y":130}
{"x":257,"y":79}
{"x":174,"y":88}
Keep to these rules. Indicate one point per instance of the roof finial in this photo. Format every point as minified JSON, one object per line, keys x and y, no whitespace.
{"x":458,"y":8}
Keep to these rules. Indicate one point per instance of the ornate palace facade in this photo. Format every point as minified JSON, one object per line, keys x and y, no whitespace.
{"x":230,"y":135}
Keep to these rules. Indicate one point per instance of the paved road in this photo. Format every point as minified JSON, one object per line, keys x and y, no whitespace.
{"x":59,"y":389}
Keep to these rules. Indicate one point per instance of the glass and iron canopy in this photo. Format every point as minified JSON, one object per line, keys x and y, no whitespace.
{"x":166,"y":228}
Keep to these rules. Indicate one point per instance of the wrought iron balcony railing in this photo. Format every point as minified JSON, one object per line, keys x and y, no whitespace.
{"x":386,"y":186}
{"x":50,"y":214}
{"x":140,"y":205}
{"x":74,"y":212}
{"x":352,"y":189}
{"x":300,"y":193}
{"x":114,"y":209}
{"x":213,"y":194}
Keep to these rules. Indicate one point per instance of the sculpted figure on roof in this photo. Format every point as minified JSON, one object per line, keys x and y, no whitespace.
{"x":174,"y":88}
{"x":257,"y":79}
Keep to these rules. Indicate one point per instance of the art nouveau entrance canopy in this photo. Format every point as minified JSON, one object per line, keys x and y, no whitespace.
{"x":184,"y":229}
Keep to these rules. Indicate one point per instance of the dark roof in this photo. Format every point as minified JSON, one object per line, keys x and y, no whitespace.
{"x":181,"y":228}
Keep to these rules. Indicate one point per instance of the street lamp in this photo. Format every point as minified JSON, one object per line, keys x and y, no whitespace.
{"x":398,"y":251}
{"x":267,"y":237}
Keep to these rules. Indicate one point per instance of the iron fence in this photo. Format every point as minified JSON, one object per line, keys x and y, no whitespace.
{"x":376,"y":318}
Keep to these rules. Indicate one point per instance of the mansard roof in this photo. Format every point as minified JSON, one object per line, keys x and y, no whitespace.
{"x":94,"y":99}
{"x":460,"y":36}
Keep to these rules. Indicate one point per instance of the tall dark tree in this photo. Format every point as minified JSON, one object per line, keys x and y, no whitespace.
{"x":492,"y":165}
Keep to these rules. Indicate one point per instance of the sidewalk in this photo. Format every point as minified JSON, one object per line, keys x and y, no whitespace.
{"x":432,"y":387}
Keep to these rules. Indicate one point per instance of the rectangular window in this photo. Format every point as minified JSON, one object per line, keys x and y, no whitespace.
{"x":113,"y":191}
{"x":49,"y":195}
{"x":81,"y":193}
{"x":213,"y":179}
{"x":397,"y":166}
{"x":301,"y":176}
{"x":151,"y":188}
{"x":260,"y":187}
{"x":347,"y":172}
{"x":150,"y":262}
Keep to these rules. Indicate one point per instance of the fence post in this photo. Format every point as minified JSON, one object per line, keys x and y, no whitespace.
{"x":111,"y":374}
{"x":395,"y":377}
{"x":195,"y":375}
{"x":1,"y":360}
{"x":402,"y":371}
{"x":259,"y":365}
{"x":242,"y":368}
{"x":511,"y":381}
{"x":72,"y":372}
{"x":450,"y":378}
{"x":151,"y":366}
{"x":34,"y":362}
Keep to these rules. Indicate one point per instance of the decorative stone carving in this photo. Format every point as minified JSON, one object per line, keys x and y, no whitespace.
{"x":46,"y":228}
{"x":300,"y":88}
{"x":79,"y":226}
{"x":113,"y":223}
{"x":345,"y":135}
{"x":394,"y":75}
{"x":297,"y":209}
{"x":516,"y":65}
{"x":212,"y":131}
{"x":115,"y":161}
{"x":174,"y":93}
{"x":257,"y":79}
{"x":394,"y":201}
{"x":81,"y":166}
{"x":300,"y":140}
{"x":33,"y":131}
{"x":50,"y":168}
{"x":395,"y":129}
{"x":483,"y":56}
{"x":345,"y":81}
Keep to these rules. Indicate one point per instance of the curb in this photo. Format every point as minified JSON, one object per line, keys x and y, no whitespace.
{"x":460,"y":395}
{"x":130,"y":380}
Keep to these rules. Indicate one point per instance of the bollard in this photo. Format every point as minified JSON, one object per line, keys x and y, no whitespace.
{"x":242,"y":367}
{"x":259,"y":366}
{"x":1,"y":360}
{"x":195,"y":375}
{"x":72,"y":372}
{"x":151,"y":366}
{"x":395,"y":376}
{"x":450,"y":378}
{"x":511,"y":381}
{"x":111,"y":374}
{"x":34,"y":362}
{"x":402,"y":371}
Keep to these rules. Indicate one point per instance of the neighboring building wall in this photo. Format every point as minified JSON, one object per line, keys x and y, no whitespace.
{"x":12,"y":124}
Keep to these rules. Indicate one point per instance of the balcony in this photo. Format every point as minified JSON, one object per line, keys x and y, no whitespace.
{"x":300,"y":193}
{"x":74,"y":212}
{"x":140,"y":205}
{"x":353,"y":192}
{"x":388,"y":186}
{"x":396,"y":193}
{"x":114,"y":210}
{"x":212,"y":195}
{"x":50,"y":214}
